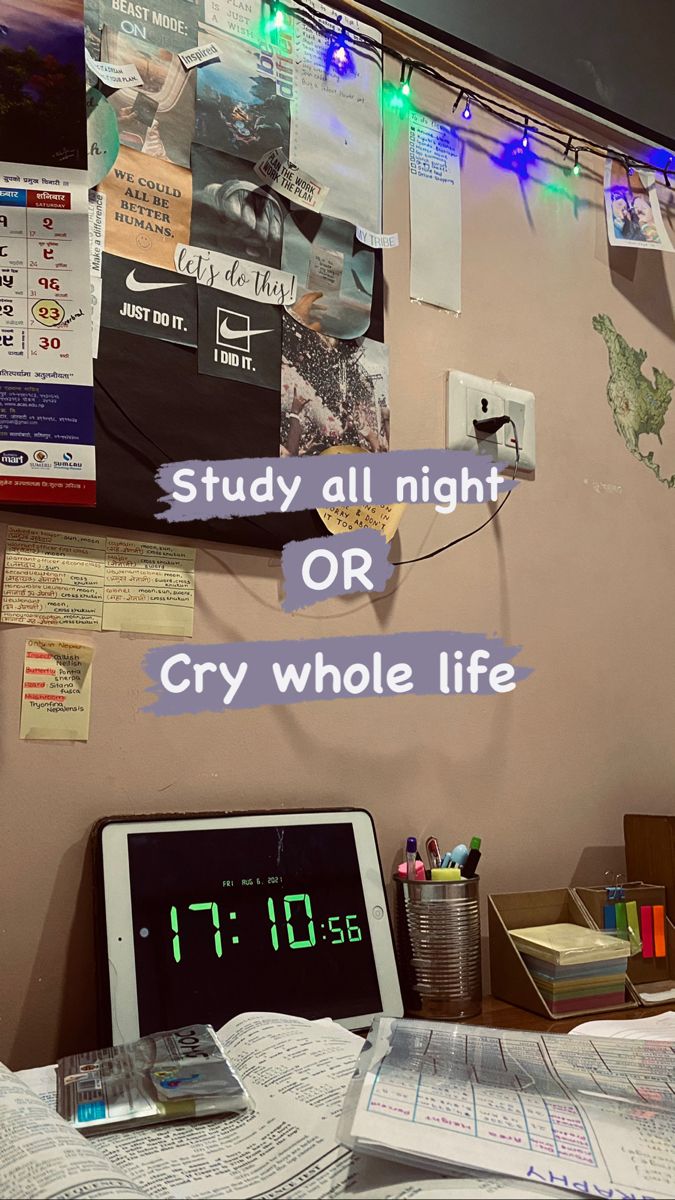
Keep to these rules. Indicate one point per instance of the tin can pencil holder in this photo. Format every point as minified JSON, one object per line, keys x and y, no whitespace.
{"x":438,"y":947}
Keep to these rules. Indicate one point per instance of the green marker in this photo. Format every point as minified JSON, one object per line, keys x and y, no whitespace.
{"x":469,"y":868}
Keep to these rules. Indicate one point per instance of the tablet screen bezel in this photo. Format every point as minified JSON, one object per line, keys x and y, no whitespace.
{"x":116,"y":888}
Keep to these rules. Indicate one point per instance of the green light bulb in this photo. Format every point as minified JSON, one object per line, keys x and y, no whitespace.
{"x":276,"y":20}
{"x":576,"y":169}
{"x":406,"y":89}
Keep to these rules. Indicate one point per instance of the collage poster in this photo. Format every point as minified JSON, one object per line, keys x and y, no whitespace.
{"x":175,"y":149}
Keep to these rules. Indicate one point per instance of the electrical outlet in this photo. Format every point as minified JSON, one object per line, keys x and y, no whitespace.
{"x":471,"y":398}
{"x":516,"y":410}
{"x":481,"y":403}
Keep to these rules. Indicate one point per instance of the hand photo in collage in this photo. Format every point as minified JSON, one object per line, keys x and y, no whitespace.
{"x":159,"y":119}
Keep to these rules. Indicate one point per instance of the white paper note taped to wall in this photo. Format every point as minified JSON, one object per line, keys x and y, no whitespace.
{"x":435,"y":213}
{"x":96,"y":232}
{"x":239,"y":276}
{"x":200,"y":56}
{"x":336,"y":121}
{"x":56,"y":693}
{"x":377,"y":241}
{"x":288,"y":180}
{"x":97,"y":203}
{"x":114,"y":76}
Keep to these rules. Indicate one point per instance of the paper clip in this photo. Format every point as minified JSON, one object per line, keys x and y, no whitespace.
{"x":615,"y":890}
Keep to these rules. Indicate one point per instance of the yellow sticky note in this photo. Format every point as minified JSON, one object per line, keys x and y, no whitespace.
{"x":383,"y":518}
{"x":149,"y":587}
{"x":56,"y":693}
{"x":53,"y":577}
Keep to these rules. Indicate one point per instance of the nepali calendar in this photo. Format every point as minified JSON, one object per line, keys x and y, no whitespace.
{"x":46,"y":392}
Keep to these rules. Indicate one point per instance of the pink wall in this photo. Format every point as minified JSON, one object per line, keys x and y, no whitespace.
{"x":579,"y":570}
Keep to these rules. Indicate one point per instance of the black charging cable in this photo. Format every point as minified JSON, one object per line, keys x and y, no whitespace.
{"x":486,"y":427}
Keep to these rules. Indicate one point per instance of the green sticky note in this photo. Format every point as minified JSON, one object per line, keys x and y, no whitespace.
{"x":621,"y":916}
{"x":633,"y":926}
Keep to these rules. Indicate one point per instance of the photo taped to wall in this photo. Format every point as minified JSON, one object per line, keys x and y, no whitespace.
{"x":231,"y":211}
{"x":632,"y":208}
{"x":148,"y":301}
{"x":241,"y":107}
{"x":333,"y":392}
{"x":159,"y":118}
{"x":147,"y":208}
{"x":171,"y":24}
{"x":334,"y":273}
{"x":239,"y":339}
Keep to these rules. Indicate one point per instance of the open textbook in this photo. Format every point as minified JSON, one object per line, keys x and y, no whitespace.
{"x":593,"y":1115}
{"x":286,"y":1146}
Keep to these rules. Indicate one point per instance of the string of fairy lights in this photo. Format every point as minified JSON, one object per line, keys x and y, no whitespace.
{"x":343,"y":43}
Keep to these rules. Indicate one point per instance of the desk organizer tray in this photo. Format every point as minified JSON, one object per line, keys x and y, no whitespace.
{"x":651,"y":979}
{"x":535,"y":981}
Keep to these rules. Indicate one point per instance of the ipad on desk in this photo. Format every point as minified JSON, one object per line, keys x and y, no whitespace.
{"x":208,"y":916}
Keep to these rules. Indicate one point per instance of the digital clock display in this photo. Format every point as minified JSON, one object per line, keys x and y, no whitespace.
{"x":226,"y":921}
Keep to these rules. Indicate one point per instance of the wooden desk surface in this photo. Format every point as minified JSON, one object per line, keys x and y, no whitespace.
{"x":506,"y":1016}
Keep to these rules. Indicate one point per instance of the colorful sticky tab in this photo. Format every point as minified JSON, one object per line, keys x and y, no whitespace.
{"x":633,"y":926}
{"x":609,"y":916}
{"x":647,"y":927}
{"x":621,"y":919}
{"x":659,"y":931}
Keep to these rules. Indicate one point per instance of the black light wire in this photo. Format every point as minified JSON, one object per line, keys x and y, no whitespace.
{"x":303,"y":12}
{"x":455,"y":542}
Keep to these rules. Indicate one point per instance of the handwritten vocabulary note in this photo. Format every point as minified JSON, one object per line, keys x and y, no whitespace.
{"x":56,"y":693}
{"x":53,"y":578}
{"x":83,"y":581}
{"x":149,"y":587}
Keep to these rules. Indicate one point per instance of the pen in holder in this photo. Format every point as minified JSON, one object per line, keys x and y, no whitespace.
{"x":438,"y":947}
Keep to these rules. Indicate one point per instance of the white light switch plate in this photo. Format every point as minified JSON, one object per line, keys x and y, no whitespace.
{"x":469,"y":398}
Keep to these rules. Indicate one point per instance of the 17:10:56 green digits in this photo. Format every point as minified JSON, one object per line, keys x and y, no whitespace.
{"x":334,"y":925}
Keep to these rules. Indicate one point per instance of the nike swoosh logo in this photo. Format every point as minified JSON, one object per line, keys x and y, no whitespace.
{"x":135,"y":285}
{"x":231,"y":334}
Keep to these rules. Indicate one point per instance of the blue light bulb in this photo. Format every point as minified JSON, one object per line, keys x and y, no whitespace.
{"x":467,"y":111}
{"x":339,"y":58}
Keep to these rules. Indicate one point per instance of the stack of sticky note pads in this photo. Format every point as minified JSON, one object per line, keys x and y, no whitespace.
{"x":575,"y":968}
